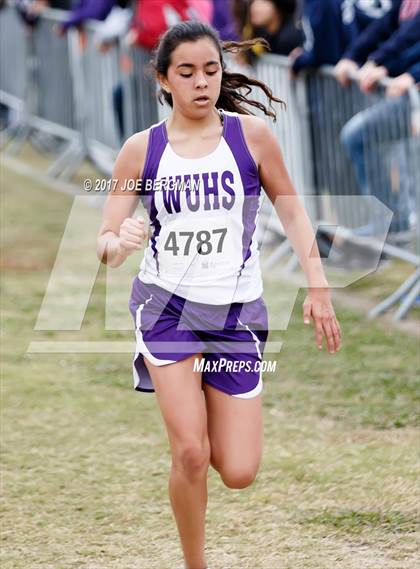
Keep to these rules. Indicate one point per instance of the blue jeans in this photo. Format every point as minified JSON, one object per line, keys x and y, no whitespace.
{"x":375,"y":140}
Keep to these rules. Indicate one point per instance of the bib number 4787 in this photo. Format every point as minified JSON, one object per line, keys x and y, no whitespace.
{"x":203,"y":241}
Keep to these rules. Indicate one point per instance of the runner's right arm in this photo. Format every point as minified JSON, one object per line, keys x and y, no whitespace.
{"x":120,"y":235}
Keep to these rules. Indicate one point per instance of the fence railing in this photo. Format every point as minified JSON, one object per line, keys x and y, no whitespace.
{"x":336,"y":142}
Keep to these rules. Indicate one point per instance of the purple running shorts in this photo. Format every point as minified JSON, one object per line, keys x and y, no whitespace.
{"x":169,"y":328}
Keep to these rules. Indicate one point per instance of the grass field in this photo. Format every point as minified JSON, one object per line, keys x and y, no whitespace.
{"x":85,"y":457}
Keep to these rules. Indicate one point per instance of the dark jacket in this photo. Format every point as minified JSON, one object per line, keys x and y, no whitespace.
{"x":389,"y":42}
{"x":285,"y":40}
{"x":330,"y":26}
{"x":407,"y":62}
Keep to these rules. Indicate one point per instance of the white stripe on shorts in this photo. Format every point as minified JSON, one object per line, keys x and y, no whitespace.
{"x":258,"y":388}
{"x":141,"y":347}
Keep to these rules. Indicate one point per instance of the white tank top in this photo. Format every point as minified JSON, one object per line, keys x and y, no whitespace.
{"x":203,"y":212}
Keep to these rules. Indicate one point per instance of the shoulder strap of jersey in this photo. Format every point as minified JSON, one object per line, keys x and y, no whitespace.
{"x":155,"y":147}
{"x":235,"y":138}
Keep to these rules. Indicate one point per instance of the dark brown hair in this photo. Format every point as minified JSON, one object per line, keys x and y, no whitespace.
{"x":231,"y":98}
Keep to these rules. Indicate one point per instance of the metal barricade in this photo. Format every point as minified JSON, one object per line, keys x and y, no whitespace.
{"x":291,"y":130}
{"x":98,"y":76}
{"x":361,"y":148}
{"x":140,"y":102}
{"x":54,"y":80}
{"x":358,"y":145}
{"x":95,"y":76}
{"x":368,"y":145}
{"x":12,"y":41}
{"x":41,"y":86}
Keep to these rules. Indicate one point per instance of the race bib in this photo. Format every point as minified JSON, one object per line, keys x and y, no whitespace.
{"x":198,"y":246}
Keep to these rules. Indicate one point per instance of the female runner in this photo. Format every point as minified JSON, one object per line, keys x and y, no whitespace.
{"x":201,"y":323}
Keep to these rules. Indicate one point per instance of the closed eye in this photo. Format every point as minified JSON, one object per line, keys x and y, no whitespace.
{"x":190,"y":74}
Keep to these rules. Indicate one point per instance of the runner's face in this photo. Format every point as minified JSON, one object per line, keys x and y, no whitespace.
{"x":194,"y":77}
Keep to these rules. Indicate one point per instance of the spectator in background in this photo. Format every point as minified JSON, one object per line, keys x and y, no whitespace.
{"x":380,"y":47}
{"x":240,"y":11}
{"x":153,"y":17}
{"x":229,"y":19}
{"x":389,"y":47}
{"x":274,"y":21}
{"x":224,"y":20}
{"x":114,"y":27}
{"x":86,"y":10}
{"x":330,"y":26}
{"x":408,"y":72}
